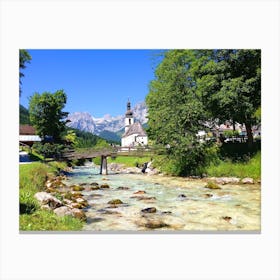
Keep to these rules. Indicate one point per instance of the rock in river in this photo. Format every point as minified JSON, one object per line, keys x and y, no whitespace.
{"x":115,"y":201}
{"x":149,"y":210}
{"x":94,"y":188}
{"x":212,"y":186}
{"x":153,"y":224}
{"x":139,"y":192}
{"x":123,"y":188}
{"x":182,"y":197}
{"x":77,"y":188}
{"x":104,"y":186}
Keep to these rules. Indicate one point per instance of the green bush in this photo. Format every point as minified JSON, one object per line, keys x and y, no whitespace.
{"x":191,"y":161}
{"x":28,"y":204}
{"x":49,"y":150}
{"x":97,"y":160}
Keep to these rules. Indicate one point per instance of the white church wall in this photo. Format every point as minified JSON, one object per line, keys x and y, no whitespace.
{"x":128,"y":141}
{"x":134,"y":140}
{"x":143,"y":140}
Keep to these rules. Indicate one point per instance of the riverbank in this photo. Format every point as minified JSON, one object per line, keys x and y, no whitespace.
{"x":53,"y":202}
{"x":34,"y":215}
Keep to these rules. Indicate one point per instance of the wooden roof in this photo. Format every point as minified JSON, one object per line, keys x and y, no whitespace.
{"x":26,"y":129}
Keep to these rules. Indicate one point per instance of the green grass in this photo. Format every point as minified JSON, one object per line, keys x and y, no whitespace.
{"x":42,"y":220}
{"x":252,"y":168}
{"x":32,"y":178}
{"x":129,"y":161}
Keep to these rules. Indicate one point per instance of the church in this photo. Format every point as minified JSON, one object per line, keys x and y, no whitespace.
{"x":134,"y":134}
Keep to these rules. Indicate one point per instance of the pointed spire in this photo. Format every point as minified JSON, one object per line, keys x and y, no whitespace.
{"x":128,"y":105}
{"x":128,"y":113}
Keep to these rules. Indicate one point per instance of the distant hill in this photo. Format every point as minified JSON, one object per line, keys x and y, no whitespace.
{"x":23,"y":115}
{"x":110,"y":136}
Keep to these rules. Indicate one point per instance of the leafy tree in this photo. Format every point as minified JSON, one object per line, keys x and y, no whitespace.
{"x":70,"y":137}
{"x":176,"y":112}
{"x":229,"y":82}
{"x":46,"y":113}
{"x":24,"y":57}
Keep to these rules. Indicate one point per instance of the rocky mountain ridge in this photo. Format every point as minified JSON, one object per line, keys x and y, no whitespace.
{"x":86,"y":122}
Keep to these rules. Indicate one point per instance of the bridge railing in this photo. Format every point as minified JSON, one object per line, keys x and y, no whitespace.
{"x":114,"y":151}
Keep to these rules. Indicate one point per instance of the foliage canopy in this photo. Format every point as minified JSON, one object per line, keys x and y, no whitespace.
{"x":46,"y":113}
{"x":194,"y":88}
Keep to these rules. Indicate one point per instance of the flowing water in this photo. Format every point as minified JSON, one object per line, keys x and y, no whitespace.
{"x":176,"y":203}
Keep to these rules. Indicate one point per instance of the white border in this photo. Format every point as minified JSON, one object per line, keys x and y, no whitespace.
{"x":139,"y":24}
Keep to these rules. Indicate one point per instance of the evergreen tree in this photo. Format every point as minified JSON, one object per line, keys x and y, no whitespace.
{"x":24,"y":57}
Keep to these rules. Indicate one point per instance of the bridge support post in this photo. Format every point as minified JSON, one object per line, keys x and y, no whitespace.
{"x":103,"y":166}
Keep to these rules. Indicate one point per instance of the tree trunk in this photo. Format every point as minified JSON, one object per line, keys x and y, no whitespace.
{"x":249,"y":135}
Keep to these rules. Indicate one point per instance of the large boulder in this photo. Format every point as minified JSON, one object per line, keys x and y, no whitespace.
{"x":63,"y":211}
{"x":67,"y":211}
{"x":45,"y":198}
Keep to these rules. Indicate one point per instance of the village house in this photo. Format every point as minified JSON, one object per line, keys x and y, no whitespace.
{"x":27,"y":135}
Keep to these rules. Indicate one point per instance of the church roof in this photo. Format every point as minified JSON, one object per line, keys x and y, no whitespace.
{"x":135,"y":128}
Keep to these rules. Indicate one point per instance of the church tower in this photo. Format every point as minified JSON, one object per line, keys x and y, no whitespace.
{"x":129,"y":120}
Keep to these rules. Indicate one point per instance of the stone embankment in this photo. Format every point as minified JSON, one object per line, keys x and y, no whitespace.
{"x":63,"y":200}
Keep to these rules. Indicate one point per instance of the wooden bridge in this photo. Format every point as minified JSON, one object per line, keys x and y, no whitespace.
{"x":109,"y":152}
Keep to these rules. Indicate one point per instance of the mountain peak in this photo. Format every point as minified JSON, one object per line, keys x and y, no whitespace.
{"x":86,"y":122}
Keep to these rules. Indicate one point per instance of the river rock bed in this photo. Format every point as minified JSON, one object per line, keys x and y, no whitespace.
{"x":181,"y":204}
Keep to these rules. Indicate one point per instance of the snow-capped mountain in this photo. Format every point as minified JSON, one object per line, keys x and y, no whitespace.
{"x":86,"y":122}
{"x":82,"y":121}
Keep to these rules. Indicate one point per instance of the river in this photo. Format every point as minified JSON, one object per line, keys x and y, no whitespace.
{"x":162,"y":203}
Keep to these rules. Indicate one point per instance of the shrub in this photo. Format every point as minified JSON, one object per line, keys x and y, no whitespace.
{"x":28,"y":204}
{"x":49,"y":150}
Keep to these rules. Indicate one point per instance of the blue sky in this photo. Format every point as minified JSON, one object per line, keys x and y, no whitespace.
{"x":95,"y":81}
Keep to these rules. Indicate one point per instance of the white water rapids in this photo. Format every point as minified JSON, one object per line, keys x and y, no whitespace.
{"x":180,"y":204}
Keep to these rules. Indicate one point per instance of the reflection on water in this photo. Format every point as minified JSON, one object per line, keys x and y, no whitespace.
{"x":175,"y":203}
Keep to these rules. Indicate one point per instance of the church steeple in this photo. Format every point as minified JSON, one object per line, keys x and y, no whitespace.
{"x":128,"y":113}
{"x":129,"y":120}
